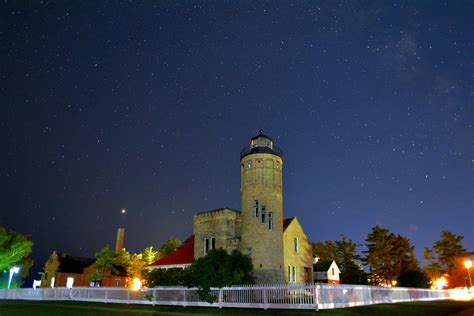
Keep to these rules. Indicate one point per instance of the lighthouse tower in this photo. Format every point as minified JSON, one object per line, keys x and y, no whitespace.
{"x":261,"y":166}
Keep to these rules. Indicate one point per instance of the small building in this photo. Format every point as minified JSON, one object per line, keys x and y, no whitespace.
{"x":181,"y":257}
{"x":61,"y":270}
{"x":326,"y":271}
{"x":118,"y":279}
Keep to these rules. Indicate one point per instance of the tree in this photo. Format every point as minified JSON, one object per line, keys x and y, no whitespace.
{"x":219,"y":269}
{"x":388,"y":255}
{"x":325,"y":250}
{"x":413,"y":278}
{"x":167,"y":247}
{"x":15,"y":249}
{"x":149,"y":255}
{"x":106,"y":263}
{"x":136,"y":267}
{"x":344,"y":252}
{"x":446,"y":257}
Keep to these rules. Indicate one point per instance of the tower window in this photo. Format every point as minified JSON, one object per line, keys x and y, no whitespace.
{"x":278,"y":165}
{"x":270,"y":220}
{"x":249,"y":164}
{"x":209,"y":244}
{"x":263,"y":214}
{"x":255,"y":208}
{"x":296,"y":244}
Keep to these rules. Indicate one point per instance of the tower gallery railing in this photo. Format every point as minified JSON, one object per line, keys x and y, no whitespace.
{"x":285,"y":296}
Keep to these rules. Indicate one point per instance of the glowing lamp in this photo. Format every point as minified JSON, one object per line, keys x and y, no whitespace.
{"x":137,"y":284}
{"x":12,"y":271}
{"x":468,"y":264}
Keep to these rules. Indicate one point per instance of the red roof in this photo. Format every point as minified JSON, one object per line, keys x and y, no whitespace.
{"x":286,"y":222}
{"x":184,"y":254}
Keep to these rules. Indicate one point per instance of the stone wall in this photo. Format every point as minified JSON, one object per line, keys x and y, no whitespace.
{"x":261,"y":180}
{"x":224,"y":225}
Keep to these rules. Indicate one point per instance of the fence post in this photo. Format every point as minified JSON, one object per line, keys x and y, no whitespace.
{"x":154,"y":297}
{"x":105,"y":298}
{"x":128,"y":296}
{"x":316,"y":297}
{"x":220,"y":298}
{"x":184,"y":297}
{"x":265,"y":298}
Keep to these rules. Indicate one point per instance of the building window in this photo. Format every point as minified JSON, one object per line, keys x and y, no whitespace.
{"x":296,"y":244}
{"x":332,"y":271}
{"x":270,"y":220}
{"x":289,"y":274}
{"x":209,"y":244}
{"x":294,"y":274}
{"x":255,"y":208}
{"x":278,"y":166}
{"x":117,"y":282}
{"x":69,"y":282}
{"x":263,"y":214}
{"x":249,"y":164}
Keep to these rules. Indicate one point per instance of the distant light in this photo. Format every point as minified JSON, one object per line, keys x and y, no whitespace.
{"x":123,"y":211}
{"x":468,"y":264}
{"x":137,"y":284}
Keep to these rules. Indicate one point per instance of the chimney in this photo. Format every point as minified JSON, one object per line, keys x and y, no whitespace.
{"x":120,"y":238}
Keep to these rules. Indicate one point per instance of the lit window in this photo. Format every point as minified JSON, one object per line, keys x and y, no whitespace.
{"x":296,"y":243}
{"x":249,"y":164}
{"x":69,"y":282}
{"x":263,"y":214}
{"x":278,"y":165}
{"x":270,"y":220}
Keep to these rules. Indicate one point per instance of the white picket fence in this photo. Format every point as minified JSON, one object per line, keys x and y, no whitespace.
{"x":285,"y":296}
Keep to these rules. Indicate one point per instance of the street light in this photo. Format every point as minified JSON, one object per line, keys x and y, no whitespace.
{"x":468,"y":265}
{"x":12,"y":270}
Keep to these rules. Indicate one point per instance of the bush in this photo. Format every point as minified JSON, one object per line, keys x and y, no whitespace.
{"x":219,"y":269}
{"x":166,"y":277}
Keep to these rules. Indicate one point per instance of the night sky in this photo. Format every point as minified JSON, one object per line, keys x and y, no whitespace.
{"x":109,"y":105}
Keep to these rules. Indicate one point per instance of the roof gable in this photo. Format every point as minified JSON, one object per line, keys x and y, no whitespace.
{"x":184,"y":254}
{"x":325,"y":265}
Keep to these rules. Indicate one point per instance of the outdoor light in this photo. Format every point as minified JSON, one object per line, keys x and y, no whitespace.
{"x":12,"y":271}
{"x":468,"y":265}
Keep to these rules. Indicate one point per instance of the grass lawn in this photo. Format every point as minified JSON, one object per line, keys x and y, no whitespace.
{"x":58,"y":308}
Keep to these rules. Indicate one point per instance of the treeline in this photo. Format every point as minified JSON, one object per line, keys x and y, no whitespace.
{"x":390,"y":260}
